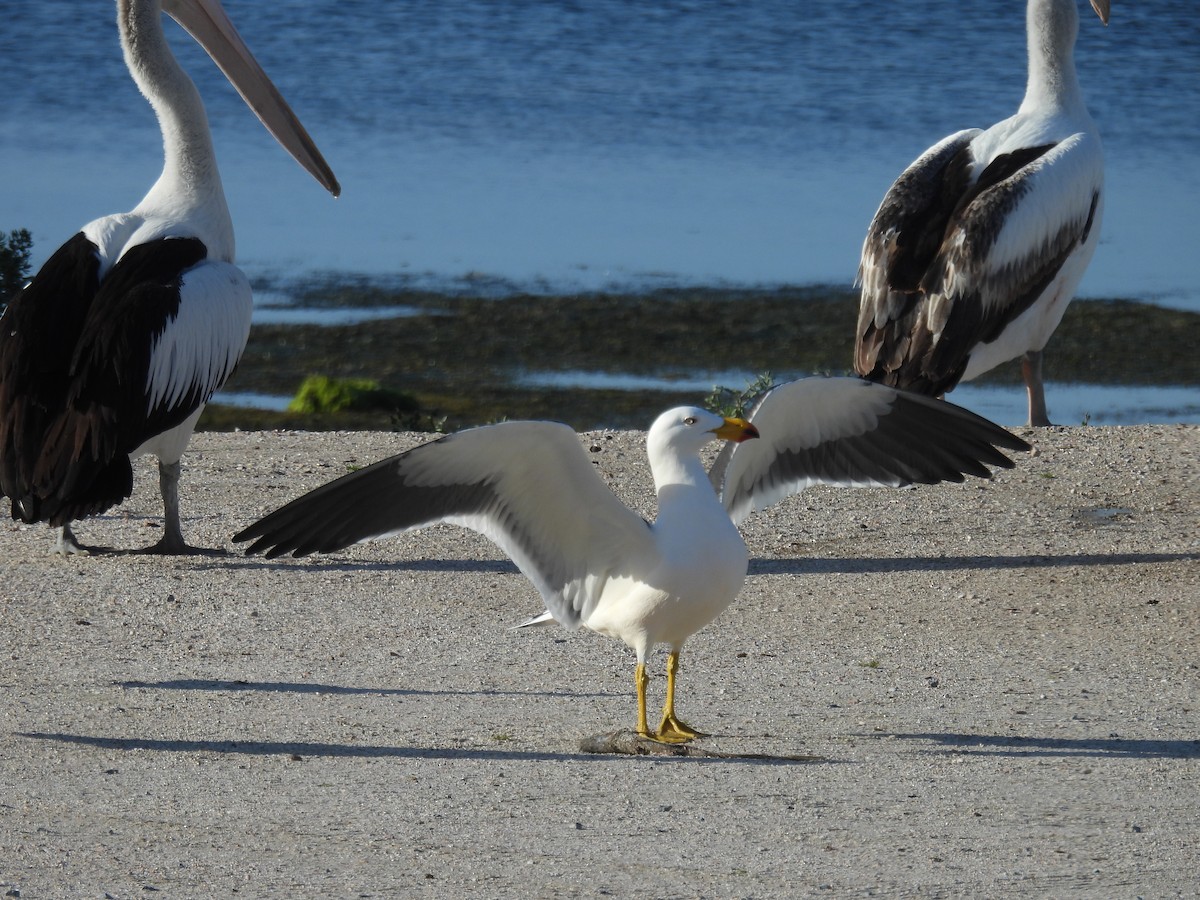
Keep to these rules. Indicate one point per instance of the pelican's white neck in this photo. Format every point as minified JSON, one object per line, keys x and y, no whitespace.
{"x":189,"y":181}
{"x":1051,"y":27}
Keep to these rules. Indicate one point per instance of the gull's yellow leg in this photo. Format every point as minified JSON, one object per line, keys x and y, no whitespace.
{"x":641,"y":679}
{"x":671,"y":730}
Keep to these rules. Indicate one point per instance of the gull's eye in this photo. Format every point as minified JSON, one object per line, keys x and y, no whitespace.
{"x":690,"y":420}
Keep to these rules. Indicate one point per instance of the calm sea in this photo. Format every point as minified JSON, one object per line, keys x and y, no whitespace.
{"x":610,"y":143}
{"x":601,"y":142}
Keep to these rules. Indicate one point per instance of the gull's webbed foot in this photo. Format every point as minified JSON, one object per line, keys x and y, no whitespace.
{"x":672,"y":731}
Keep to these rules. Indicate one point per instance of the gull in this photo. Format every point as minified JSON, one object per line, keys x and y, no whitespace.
{"x":531,"y":488}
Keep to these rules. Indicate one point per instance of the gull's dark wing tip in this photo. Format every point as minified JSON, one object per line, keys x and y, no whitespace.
{"x":270,"y":539}
{"x":349,"y":509}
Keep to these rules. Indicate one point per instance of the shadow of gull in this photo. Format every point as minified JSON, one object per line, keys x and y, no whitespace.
{"x":823,"y":565}
{"x":336,"y":563}
{"x":1018,"y":745}
{"x":292,"y":687}
{"x":300,"y":750}
{"x":780,"y":565}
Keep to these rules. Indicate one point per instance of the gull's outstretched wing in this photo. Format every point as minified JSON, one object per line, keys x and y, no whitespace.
{"x":528,"y":486}
{"x":855,"y":433}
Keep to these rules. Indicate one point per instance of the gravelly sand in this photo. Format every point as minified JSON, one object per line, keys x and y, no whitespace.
{"x":1002,"y":677}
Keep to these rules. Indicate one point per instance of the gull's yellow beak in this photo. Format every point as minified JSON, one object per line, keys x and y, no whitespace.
{"x":736,"y":430}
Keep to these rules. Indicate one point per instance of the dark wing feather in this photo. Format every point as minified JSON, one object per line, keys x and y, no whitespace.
{"x":369,"y":503}
{"x":850,"y":432}
{"x":526,"y":485}
{"x":918,"y":323}
{"x":74,"y":354}
{"x":135,"y":303}
{"x":979,"y":297}
{"x":904,"y":237}
{"x":38,"y":334}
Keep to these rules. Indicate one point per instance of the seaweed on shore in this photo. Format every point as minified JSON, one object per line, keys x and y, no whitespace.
{"x":463,"y":356}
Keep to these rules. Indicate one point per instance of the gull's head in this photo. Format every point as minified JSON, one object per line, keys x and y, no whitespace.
{"x":685,"y":429}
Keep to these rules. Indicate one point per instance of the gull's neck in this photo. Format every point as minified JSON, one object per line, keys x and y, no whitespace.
{"x":686,"y":499}
{"x":673,"y":469}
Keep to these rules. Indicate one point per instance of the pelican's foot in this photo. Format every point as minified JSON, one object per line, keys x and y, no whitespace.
{"x":1035,"y":389}
{"x":177,"y":547}
{"x":66,"y":545}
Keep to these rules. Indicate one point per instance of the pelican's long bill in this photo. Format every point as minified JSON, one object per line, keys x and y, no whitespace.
{"x":207,"y":22}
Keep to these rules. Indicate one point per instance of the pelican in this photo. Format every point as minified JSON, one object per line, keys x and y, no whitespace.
{"x":531,"y":488}
{"x":978,"y":247}
{"x":115,"y":346}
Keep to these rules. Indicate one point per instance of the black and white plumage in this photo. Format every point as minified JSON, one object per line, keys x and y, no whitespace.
{"x":531,"y":488}
{"x":977,"y":249}
{"x":114,"y":347}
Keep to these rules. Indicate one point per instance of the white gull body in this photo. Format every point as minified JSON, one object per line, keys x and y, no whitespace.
{"x":531,"y":488}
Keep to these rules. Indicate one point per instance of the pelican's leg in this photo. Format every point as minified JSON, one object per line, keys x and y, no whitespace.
{"x":172,"y":541}
{"x":65,"y":543}
{"x":671,"y":730}
{"x":641,"y":680}
{"x":1031,"y":371}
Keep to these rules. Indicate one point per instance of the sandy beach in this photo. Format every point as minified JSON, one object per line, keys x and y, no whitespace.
{"x":1001,"y":680}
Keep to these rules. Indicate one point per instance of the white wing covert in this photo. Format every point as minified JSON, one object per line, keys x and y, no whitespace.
{"x":198,"y":349}
{"x":1009,"y":242}
{"x":527,"y":486}
{"x":855,"y":433}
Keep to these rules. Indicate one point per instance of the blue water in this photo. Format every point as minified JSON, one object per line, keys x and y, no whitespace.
{"x":599,"y":142}
{"x":1070,"y":404}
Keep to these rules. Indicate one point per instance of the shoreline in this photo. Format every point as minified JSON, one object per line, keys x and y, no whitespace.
{"x":471,"y":359}
{"x":1000,"y":677}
